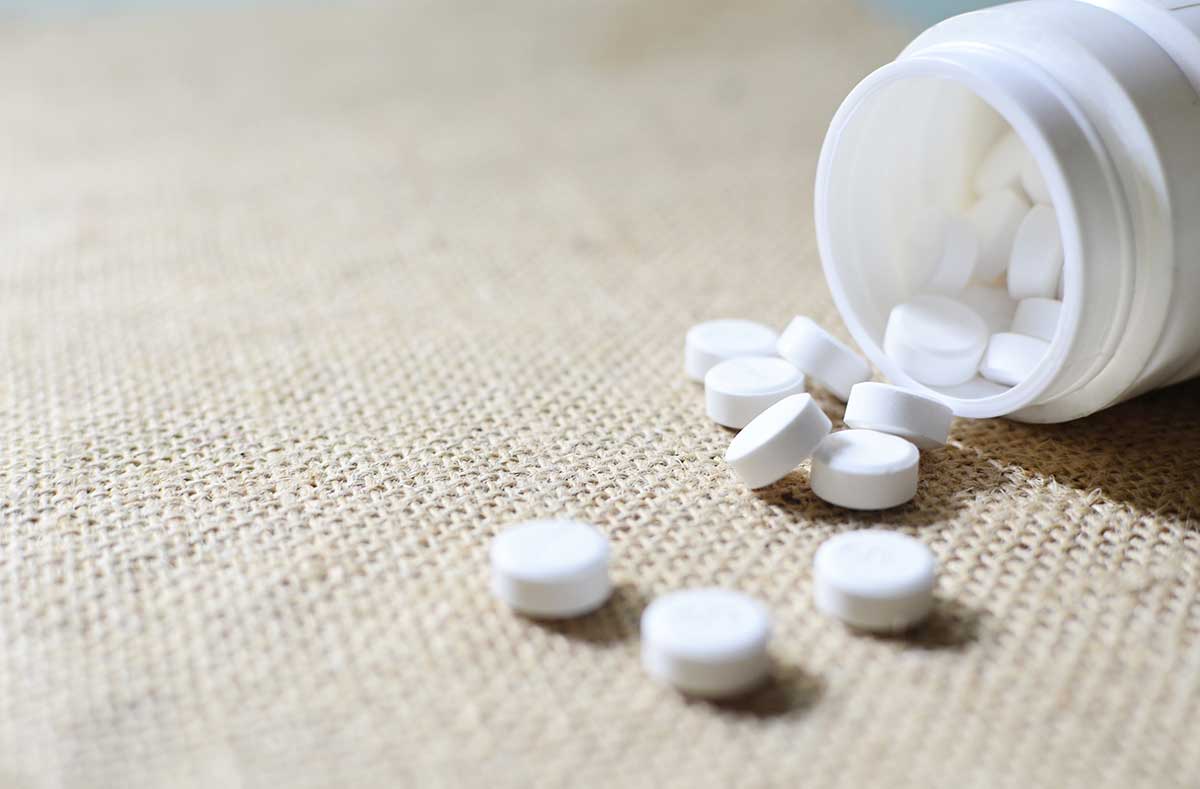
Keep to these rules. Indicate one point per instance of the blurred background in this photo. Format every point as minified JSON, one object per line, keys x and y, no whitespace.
{"x":927,"y":11}
{"x":911,"y":11}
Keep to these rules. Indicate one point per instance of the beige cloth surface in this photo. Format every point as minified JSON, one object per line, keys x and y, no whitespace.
{"x":302,"y":304}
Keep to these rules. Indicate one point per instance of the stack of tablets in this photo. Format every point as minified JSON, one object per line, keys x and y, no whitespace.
{"x":988,"y":282}
{"x":754,"y":381}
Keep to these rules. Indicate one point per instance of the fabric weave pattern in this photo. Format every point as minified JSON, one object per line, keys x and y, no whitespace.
{"x":303,"y":304}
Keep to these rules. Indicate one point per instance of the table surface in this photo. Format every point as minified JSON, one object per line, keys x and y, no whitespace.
{"x":304,"y":303}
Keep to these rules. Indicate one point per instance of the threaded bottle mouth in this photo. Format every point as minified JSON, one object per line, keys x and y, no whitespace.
{"x":910,"y":138}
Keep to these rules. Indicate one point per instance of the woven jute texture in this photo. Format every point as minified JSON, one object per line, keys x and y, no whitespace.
{"x":302,"y":304}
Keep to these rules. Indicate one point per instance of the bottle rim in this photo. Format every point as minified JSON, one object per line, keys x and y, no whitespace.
{"x":1033,"y":105}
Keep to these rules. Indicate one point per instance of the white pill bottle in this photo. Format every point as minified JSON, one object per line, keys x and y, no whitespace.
{"x":1105,"y":94}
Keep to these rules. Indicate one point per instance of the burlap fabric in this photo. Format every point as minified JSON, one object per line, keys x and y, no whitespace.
{"x":303,"y":303}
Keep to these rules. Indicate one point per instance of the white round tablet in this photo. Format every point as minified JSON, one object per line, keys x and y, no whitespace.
{"x":708,"y":344}
{"x":1037,"y":318}
{"x":1037,"y":256}
{"x":1033,"y":183}
{"x":936,"y":340}
{"x":864,"y":470}
{"x":737,"y":390}
{"x":1001,"y":166}
{"x":996,"y":218}
{"x":551,"y":569}
{"x":900,"y":412}
{"x":993,"y":304}
{"x":777,"y":440}
{"x":942,"y":252}
{"x":707,"y":642}
{"x":822,"y":357}
{"x":874,"y":580}
{"x":1011,"y":358}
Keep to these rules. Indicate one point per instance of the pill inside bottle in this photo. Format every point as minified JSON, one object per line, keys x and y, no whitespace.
{"x":993,"y":167}
{"x":974,"y":186}
{"x":993,"y":233}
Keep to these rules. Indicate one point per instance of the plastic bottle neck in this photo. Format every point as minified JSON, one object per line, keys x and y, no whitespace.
{"x":1173,"y":24}
{"x":909,"y":135}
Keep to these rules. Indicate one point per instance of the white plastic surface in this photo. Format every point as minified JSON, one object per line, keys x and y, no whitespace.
{"x":1173,"y":24}
{"x":822,"y":357}
{"x":864,"y":470}
{"x":874,"y":580}
{"x":778,"y":440}
{"x":707,"y":642}
{"x":1037,"y":256}
{"x":991,"y":303}
{"x":1011,"y":358}
{"x":890,"y":409}
{"x":1037,"y":318}
{"x":936,"y":340}
{"x":737,"y":390}
{"x":1033,"y":183}
{"x":710,"y":343}
{"x":996,"y":217}
{"x":1001,"y":168}
{"x":551,"y":569}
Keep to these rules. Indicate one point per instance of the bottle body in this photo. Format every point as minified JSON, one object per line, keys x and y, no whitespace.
{"x":1111,"y":115}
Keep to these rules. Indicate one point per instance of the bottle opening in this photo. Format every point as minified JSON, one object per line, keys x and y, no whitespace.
{"x":926,"y":151}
